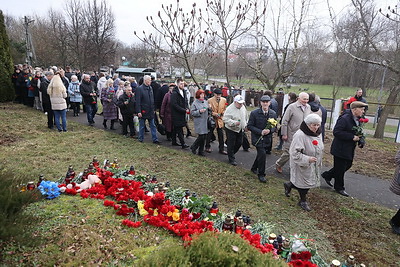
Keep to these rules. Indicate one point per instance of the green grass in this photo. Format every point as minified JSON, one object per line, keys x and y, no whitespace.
{"x":75,"y":231}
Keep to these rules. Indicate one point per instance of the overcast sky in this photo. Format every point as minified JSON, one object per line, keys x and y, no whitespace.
{"x":130,"y":15}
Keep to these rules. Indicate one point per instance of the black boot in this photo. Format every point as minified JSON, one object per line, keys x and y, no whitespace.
{"x":112,"y":125}
{"x":288,"y":188}
{"x":105,"y":124}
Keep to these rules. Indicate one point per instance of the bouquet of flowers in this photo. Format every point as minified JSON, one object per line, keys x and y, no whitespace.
{"x":358,"y":130}
{"x":271,"y":123}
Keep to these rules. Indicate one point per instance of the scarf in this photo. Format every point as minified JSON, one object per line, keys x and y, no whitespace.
{"x":307,"y":130}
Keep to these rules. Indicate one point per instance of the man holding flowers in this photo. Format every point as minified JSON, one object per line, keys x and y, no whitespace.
{"x":347,"y":134}
{"x":262,"y":123}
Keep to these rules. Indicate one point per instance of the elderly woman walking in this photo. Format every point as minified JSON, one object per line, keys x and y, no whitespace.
{"x":199,"y":111}
{"x":305,"y":152}
{"x":58,"y":93}
{"x":108,"y":97}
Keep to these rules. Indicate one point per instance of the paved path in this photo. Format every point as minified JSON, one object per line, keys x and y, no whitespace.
{"x":369,"y":189}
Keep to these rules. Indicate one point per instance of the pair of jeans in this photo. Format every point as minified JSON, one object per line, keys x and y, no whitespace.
{"x":91,"y":110}
{"x":153,"y":129}
{"x":234,"y":141}
{"x":63,"y":115}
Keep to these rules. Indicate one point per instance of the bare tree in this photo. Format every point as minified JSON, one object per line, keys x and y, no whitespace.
{"x":229,"y":22}
{"x":180,"y":32}
{"x":382,"y":36}
{"x":277,"y":41}
{"x":100,"y":26}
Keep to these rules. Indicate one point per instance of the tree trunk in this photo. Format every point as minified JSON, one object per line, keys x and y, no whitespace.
{"x":380,"y":128}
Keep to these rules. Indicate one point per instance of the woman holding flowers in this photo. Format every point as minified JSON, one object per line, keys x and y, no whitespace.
{"x":199,"y":111}
{"x":305,"y":152}
{"x":262,"y":123}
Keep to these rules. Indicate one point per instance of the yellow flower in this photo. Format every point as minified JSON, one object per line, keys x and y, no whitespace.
{"x":143,"y":212}
{"x":155,"y":212}
{"x":175,"y":216}
{"x":272,"y":122}
{"x":169,"y":214}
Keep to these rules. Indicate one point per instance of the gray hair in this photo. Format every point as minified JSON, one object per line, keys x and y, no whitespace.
{"x":146,"y":77}
{"x":317,"y":99}
{"x":49,"y":73}
{"x":313,"y":118}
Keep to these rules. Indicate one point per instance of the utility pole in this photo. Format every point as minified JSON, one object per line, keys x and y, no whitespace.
{"x":30,"y":51}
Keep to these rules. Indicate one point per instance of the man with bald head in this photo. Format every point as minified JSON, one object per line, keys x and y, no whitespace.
{"x":291,"y":121}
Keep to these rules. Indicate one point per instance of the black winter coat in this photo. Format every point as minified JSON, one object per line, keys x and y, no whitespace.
{"x":145,"y":101}
{"x":44,"y":83}
{"x":178,"y":108}
{"x":86,"y":88}
{"x":257,"y":123}
{"x":343,"y":145}
{"x":126,"y":109}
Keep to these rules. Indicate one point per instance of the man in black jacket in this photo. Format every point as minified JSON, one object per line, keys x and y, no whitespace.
{"x":179,"y":109}
{"x":261,"y":134}
{"x":343,"y":145}
{"x":126,"y":104}
{"x":89,"y":94}
{"x":48,"y":75}
{"x":145,"y":108}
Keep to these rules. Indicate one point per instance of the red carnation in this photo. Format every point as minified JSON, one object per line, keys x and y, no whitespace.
{"x":315,"y":142}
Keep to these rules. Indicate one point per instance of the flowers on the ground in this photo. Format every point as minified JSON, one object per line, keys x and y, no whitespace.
{"x":49,"y":189}
{"x":183,"y":218}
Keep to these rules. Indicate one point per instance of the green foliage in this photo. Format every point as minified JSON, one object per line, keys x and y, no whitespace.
{"x":6,"y":64}
{"x":211,"y":249}
{"x":12,"y":204}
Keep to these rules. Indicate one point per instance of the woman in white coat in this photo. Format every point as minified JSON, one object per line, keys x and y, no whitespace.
{"x":58,"y":93}
{"x":305,"y":152}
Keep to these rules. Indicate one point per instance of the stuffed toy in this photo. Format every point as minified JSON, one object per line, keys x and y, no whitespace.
{"x":86,"y":184}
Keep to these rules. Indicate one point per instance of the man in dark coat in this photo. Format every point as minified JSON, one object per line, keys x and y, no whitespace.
{"x":179,"y":109}
{"x":343,"y":145}
{"x":44,"y":83}
{"x":261,"y":135}
{"x":145,"y":109}
{"x":89,"y":94}
{"x":126,"y":104}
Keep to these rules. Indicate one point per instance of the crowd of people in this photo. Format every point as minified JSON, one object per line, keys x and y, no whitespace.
{"x":300,"y":130}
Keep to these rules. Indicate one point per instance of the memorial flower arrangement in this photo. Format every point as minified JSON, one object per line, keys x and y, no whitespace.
{"x":176,"y":210}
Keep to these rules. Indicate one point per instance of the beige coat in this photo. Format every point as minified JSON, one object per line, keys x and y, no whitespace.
{"x":218,"y":108}
{"x":292,"y":120}
{"x":57,"y":99}
{"x":395,"y":184}
{"x":304,"y":174}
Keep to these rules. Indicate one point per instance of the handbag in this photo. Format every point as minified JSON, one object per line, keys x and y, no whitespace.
{"x":161,"y":129}
{"x":211,"y":123}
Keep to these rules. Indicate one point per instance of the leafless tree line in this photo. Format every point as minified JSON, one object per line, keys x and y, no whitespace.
{"x":81,"y":35}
